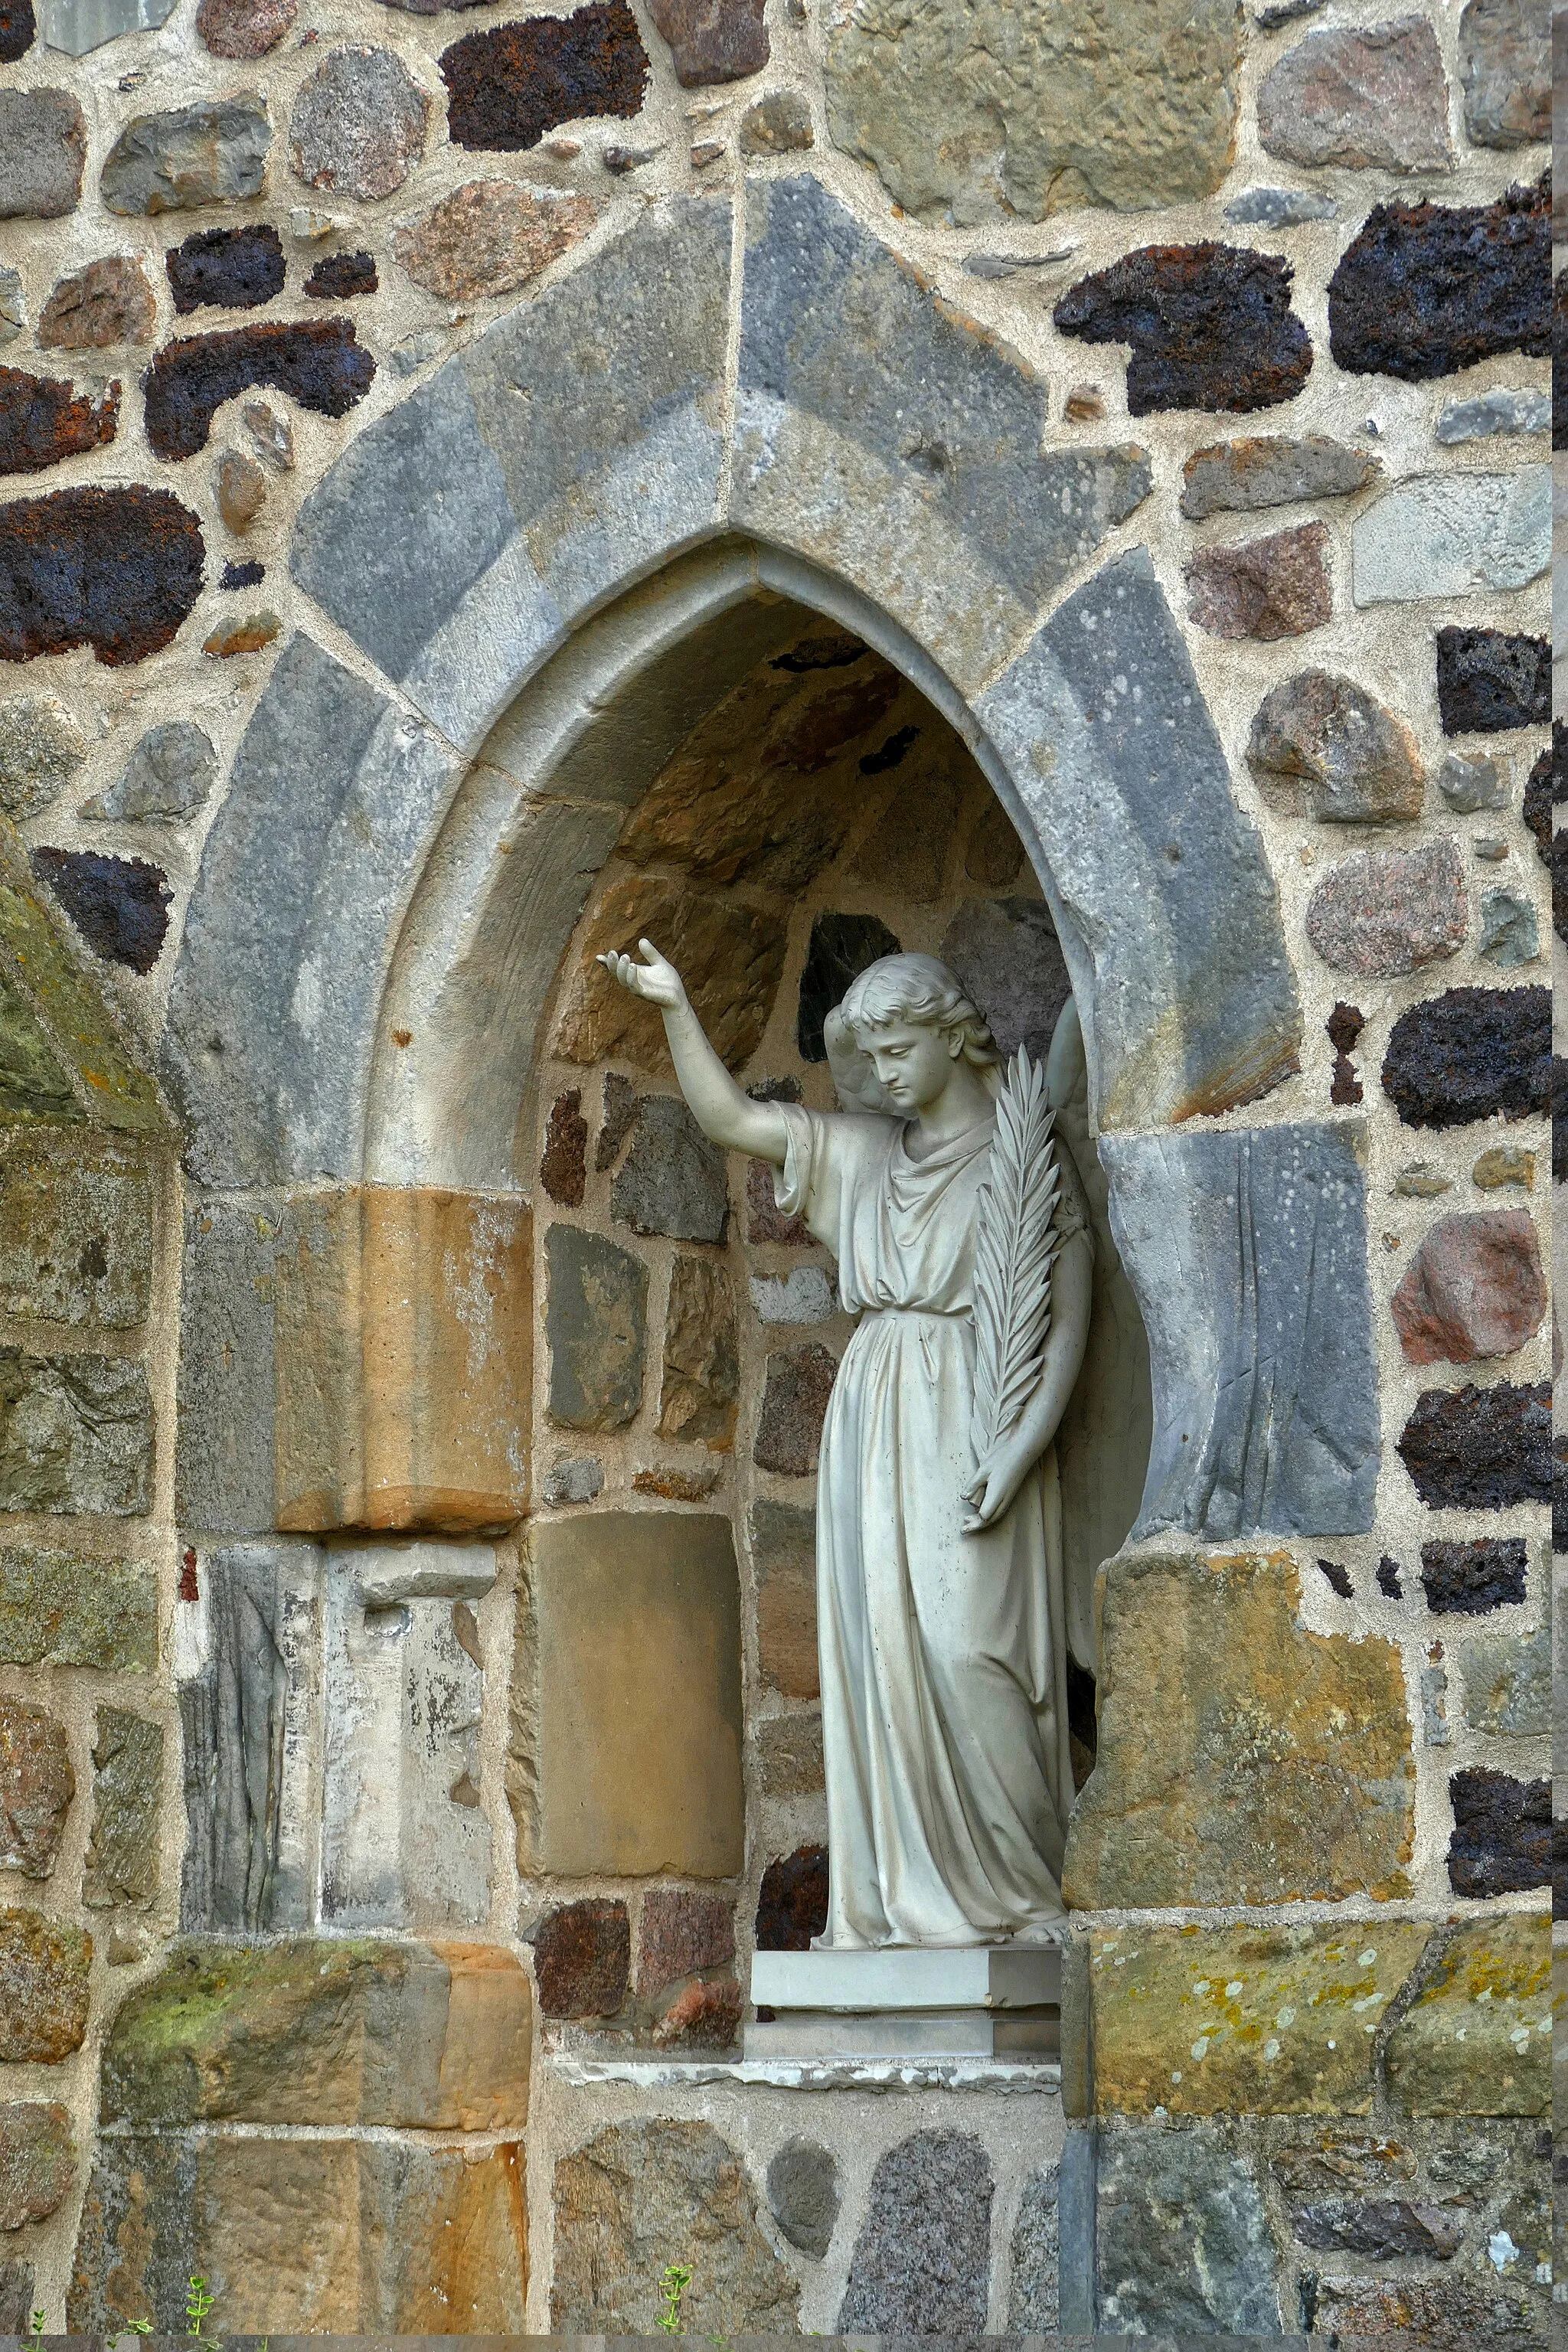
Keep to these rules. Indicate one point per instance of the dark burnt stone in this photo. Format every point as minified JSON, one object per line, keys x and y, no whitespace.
{"x":1560,"y":1911}
{"x":836,"y":652}
{"x":1560,"y":1494}
{"x":512,"y":84}
{"x":120,"y":905}
{"x":1339,"y":1578}
{"x":115,"y":569}
{"x":318,"y":363}
{"x":1425,"y":290}
{"x":340,"y":276}
{"x":841,"y":947}
{"x":581,"y":1959}
{"x":1489,"y":680}
{"x":1545,"y":787}
{"x":44,"y":418}
{"x":1468,"y":1580}
{"x":243,"y":575}
{"x":563,"y":1165}
{"x":792,"y":1902}
{"x":1503,"y":1833}
{"x":1344,"y":1025}
{"x":1383,"y":2228}
{"x":1470,"y":1053}
{"x":1480,"y":1449}
{"x":18,"y":30}
{"x":892,"y":753}
{"x":226,"y":268}
{"x":1560,"y":362}
{"x":1388,"y":1582}
{"x":1210,"y":325}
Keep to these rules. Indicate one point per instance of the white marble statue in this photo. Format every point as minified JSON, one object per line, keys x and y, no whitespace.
{"x":940,"y":1581}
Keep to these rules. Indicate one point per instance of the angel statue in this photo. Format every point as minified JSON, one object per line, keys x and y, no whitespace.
{"x":963,"y":1245}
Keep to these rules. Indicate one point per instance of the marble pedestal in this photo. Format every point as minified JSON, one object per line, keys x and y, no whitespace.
{"x":983,"y":2001}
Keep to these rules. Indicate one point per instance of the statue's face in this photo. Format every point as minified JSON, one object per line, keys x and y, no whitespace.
{"x":914,"y":1064}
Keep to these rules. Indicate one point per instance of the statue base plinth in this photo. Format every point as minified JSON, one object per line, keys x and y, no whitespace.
{"x":981,"y":2001}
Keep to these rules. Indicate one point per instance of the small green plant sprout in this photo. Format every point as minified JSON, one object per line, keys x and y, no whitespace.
{"x":672,"y":2285}
{"x":138,"y":2326}
{"x":199,"y":2301}
{"x":37,"y":2326}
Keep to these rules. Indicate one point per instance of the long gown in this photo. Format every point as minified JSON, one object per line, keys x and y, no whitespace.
{"x":943,"y":1654}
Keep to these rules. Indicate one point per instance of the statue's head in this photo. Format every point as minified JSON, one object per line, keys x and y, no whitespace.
{"x":903,"y":1024}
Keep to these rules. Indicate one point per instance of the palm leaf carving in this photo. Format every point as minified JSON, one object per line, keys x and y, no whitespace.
{"x":1015,"y":1245}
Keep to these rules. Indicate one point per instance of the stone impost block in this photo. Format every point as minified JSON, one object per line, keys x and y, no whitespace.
{"x":896,"y":443}
{"x":1163,"y":881}
{"x":336,"y":2030}
{"x":1248,"y":1252}
{"x":625,"y":1736}
{"x":329,"y":2236}
{"x":1477,"y":2040}
{"x":403,"y":1361}
{"x":1315,"y":1799}
{"x":1261,"y":2021}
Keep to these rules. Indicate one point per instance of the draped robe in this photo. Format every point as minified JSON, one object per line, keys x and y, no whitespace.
{"x":943,"y":1655}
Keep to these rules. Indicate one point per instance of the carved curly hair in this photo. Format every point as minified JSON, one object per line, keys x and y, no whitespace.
{"x":918,"y":988}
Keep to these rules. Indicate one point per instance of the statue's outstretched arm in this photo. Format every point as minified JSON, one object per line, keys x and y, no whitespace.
{"x":726,"y":1115}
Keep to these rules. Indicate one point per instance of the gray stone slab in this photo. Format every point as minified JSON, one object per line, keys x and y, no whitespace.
{"x":43,"y":151}
{"x":214,"y":154}
{"x":1182,"y":2237}
{"x":1443,"y":535}
{"x":122,"y":1862}
{"x":334,"y":795}
{"x":1173,"y":914}
{"x":227,"y":1406}
{"x":76,"y":1435}
{"x":1248,"y":1251}
{"x":248,"y":1659}
{"x":891,"y":439}
{"x":78,"y":25}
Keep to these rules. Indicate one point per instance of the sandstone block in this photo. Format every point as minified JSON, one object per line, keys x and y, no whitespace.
{"x":804,"y":2194}
{"x":626,"y":1737}
{"x":512,"y":83}
{"x":702,"y":1382}
{"x":1477,"y":2040}
{"x":1279,"y":2021}
{"x":122,"y":1863}
{"x":789,"y":1755}
{"x":1504,"y":1163}
{"x":1468,"y":1054}
{"x":672,"y":1180}
{"x":357,"y":126}
{"x":1489,"y":680}
{"x":595,"y":1322}
{"x":973,"y":113}
{"x":403,"y":1361}
{"x":712,"y":40}
{"x":1322,"y":742}
{"x":58,"y":1609}
{"x":1266,"y":588}
{"x":1505,"y":69}
{"x":1475,"y":1288}
{"x":44,"y":1970}
{"x":330,"y":2030}
{"x":582,"y":1960}
{"x":923,"y":2259}
{"x":784,"y":1546}
{"x":42,"y":747}
{"x":1446,"y":535}
{"x":1480,"y":1449}
{"x":1271,"y":470}
{"x":794,"y":1405}
{"x":1508,"y":1684}
{"x":1503,"y":1833}
{"x":332,"y":2236}
{"x":37,"y":2162}
{"x":76,"y":1435}
{"x":642,"y":2194}
{"x":241,"y":489}
{"x":194,"y":156}
{"x":731,"y":958}
{"x":1385,"y":912}
{"x":1424,"y":290}
{"x":681,"y":1932}
{"x":1320,"y":1804}
{"x":488,"y":238}
{"x":1210,"y":325}
{"x":36,"y":1785}
{"x":1373,"y":96}
{"x":43,"y":153}
{"x":1182,"y":2236}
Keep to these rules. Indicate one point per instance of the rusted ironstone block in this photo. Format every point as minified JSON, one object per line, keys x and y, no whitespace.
{"x":512,"y":83}
{"x":1427,"y":289}
{"x":1210,"y":325}
{"x":44,"y":419}
{"x":318,"y":363}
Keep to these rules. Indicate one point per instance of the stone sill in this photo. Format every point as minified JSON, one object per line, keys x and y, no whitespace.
{"x":1041,"y":2078}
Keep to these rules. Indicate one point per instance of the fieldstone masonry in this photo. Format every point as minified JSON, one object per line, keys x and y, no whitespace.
{"x":1056,"y":486}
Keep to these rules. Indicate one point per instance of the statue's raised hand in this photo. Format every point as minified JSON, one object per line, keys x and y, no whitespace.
{"x":654,"y":979}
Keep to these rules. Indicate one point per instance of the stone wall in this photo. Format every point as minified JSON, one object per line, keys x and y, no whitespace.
{"x":759,"y":474}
